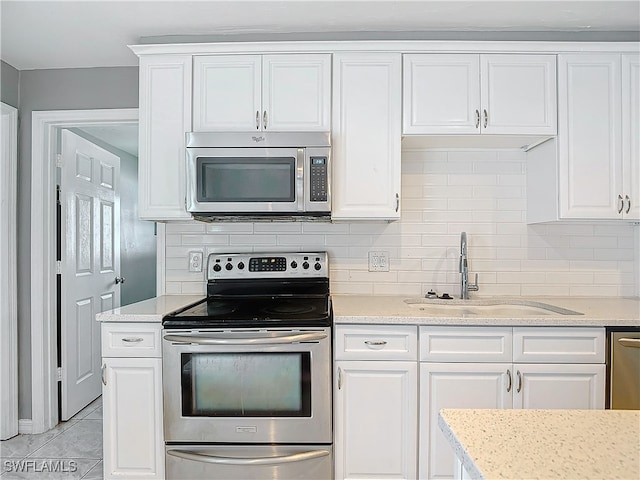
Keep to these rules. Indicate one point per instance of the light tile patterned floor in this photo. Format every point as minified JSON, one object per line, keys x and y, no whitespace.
{"x":72,"y":450}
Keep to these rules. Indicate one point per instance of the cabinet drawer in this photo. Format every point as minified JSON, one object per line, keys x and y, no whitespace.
{"x":131,"y":340}
{"x":558,"y":345}
{"x":385,"y":342}
{"x":465,"y":344}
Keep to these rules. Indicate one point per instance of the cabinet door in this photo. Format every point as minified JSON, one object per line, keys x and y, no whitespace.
{"x":518,"y":94}
{"x":165,"y":117}
{"x":589,"y":136}
{"x":366,"y":136}
{"x":226,"y":93}
{"x":376,"y":417}
{"x":631,"y":135}
{"x":132,"y":423}
{"x":296,"y":92}
{"x":441,"y":94}
{"x":455,"y":385}
{"x":565,"y":386}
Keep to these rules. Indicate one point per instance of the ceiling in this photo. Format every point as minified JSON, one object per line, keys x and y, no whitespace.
{"x":95,"y":33}
{"x":122,"y":136}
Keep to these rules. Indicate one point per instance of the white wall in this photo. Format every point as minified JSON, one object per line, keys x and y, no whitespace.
{"x":443,"y":193}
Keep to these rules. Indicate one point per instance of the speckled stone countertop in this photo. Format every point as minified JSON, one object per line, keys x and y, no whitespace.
{"x":545,"y":444}
{"x":151,"y":310}
{"x":390,"y":309}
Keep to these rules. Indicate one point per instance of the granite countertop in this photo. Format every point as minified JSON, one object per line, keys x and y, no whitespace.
{"x":545,"y":444}
{"x":151,"y":310}
{"x":391,"y":309}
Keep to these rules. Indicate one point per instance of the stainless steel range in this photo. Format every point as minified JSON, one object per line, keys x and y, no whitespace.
{"x":247,"y":371}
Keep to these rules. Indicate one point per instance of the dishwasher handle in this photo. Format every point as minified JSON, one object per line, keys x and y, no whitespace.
{"x":629,"y":342}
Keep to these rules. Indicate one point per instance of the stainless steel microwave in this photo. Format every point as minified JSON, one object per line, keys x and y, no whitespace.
{"x":259,"y":174}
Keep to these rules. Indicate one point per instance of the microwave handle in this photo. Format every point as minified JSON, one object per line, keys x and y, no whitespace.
{"x":201,"y":457}
{"x":206,"y":339}
{"x":301,"y":173}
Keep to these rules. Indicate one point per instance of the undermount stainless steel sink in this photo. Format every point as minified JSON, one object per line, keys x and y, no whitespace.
{"x":486,"y":307}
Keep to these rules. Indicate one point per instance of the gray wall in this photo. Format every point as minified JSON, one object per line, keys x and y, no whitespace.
{"x":9,"y":84}
{"x":137,"y":237}
{"x":64,"y":89}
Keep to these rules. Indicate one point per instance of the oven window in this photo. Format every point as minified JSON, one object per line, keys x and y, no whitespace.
{"x":246,"y":384}
{"x":246,"y":179}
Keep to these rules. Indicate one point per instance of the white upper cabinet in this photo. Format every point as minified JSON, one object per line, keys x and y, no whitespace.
{"x":288,"y":92}
{"x":471,"y":94}
{"x":165,"y":117}
{"x":590,"y":136}
{"x":366,"y":136}
{"x":631,"y":136}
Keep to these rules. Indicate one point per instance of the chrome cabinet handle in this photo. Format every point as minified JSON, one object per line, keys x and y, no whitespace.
{"x":628,"y":204}
{"x":257,"y":119}
{"x":519,"y":388}
{"x":620,"y":204}
{"x":477,"y":118}
{"x":629,"y":342}
{"x":202,"y":457}
{"x":509,"y":381}
{"x":486,"y":118}
{"x":264,"y":120}
{"x":339,"y":378}
{"x":257,"y":340}
{"x":132,"y":339}
{"x":104,"y":378}
{"x":375,"y":343}
{"x":397,"y":202}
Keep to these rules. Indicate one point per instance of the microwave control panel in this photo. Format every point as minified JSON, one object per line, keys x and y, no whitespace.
{"x":318,"y":179}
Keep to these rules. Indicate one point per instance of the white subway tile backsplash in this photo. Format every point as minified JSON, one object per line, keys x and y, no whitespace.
{"x":443,"y":193}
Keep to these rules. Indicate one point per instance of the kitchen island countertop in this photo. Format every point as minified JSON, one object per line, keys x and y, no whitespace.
{"x":549,"y":444}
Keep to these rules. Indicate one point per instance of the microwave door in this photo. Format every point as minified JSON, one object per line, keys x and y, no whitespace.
{"x":245,"y":180}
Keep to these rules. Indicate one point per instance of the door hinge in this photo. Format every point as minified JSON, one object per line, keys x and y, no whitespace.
{"x":59,"y":160}
{"x":58,"y":267}
{"x":59,"y":374}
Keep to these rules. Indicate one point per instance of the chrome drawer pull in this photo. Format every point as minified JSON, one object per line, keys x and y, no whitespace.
{"x":375,"y":343}
{"x":132,"y":339}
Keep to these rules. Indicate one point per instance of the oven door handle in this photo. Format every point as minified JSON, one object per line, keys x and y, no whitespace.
{"x":201,"y":457}
{"x":213,"y":340}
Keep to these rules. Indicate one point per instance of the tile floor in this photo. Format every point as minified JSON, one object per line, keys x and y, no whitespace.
{"x":73,"y":448}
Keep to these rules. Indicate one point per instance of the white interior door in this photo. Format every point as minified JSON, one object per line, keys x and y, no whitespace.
{"x":90,"y":263}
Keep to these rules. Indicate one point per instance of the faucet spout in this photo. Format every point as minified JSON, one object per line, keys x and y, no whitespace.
{"x":464,"y":270}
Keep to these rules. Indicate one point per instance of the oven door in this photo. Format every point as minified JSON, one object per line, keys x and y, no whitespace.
{"x":247,"y":386}
{"x":245,"y":180}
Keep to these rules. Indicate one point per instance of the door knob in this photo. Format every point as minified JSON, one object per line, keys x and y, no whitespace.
{"x":119,"y":280}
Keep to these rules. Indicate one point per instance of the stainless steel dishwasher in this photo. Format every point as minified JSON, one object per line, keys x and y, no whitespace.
{"x":623,"y":368}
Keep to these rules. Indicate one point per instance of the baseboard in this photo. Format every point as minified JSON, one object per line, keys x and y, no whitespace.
{"x":25,"y":425}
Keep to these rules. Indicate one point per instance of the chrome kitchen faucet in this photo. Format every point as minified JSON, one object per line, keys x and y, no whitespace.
{"x":464,"y":270}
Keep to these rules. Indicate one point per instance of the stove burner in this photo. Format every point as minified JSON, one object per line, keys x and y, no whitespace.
{"x":289,"y":309}
{"x":221,"y":308}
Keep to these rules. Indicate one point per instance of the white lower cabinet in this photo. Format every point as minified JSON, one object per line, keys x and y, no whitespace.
{"x":376,"y":403}
{"x":473,"y":367}
{"x":132,"y":402}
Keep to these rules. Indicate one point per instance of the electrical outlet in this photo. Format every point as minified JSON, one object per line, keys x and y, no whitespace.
{"x":195,"y":261}
{"x":378,"y":261}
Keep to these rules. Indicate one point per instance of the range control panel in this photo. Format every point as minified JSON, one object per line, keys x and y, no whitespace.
{"x":267,"y":265}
